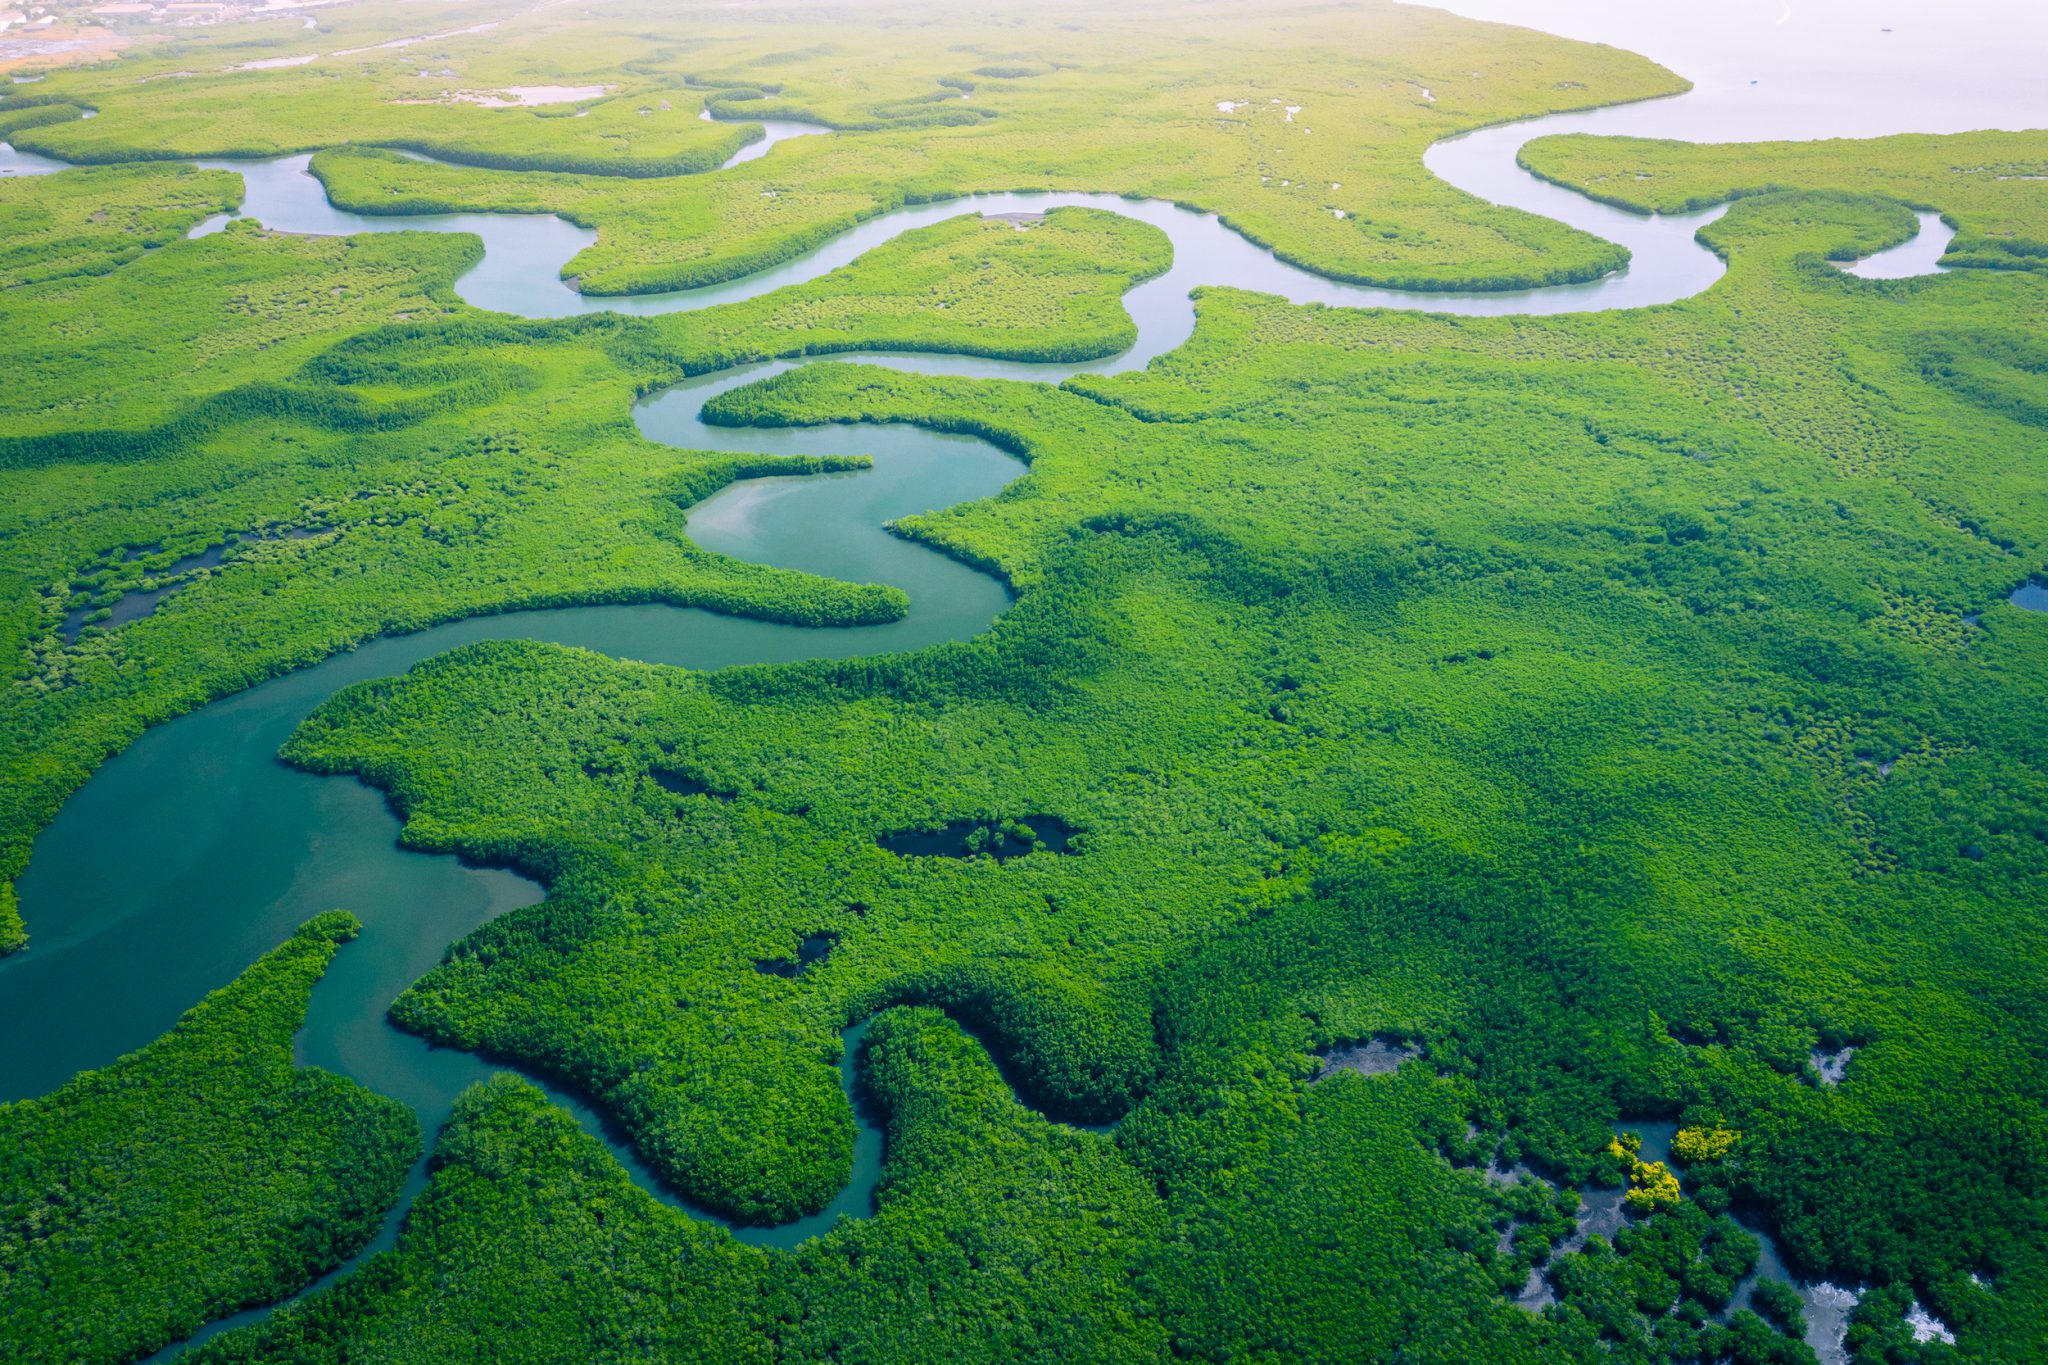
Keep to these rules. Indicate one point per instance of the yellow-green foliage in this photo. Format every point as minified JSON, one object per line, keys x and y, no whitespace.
{"x":91,"y":221}
{"x":1924,"y":621}
{"x":1048,"y":289}
{"x":1101,"y":100}
{"x":18,"y":114}
{"x":98,"y":354}
{"x":1696,"y":1144}
{"x":1992,"y":186}
{"x":1508,"y":683}
{"x":1651,"y":1185}
{"x":654,"y":132}
{"x":432,"y":448}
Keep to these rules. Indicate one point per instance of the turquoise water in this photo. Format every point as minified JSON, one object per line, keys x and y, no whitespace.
{"x":194,"y":851}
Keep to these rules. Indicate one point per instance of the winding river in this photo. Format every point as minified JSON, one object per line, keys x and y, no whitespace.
{"x":222,"y":850}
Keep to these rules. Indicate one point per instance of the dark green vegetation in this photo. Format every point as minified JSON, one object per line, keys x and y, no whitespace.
{"x":203,"y":1174}
{"x":1618,"y":706}
{"x":999,"y":839}
{"x":532,"y":1239}
{"x":320,"y":384}
{"x":1878,"y":1336}
{"x":1590,"y":698}
{"x":1660,"y":1290}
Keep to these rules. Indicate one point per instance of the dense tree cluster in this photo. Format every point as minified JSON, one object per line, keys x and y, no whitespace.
{"x":1622,"y":708}
{"x":1305,"y":840}
{"x":203,"y":1174}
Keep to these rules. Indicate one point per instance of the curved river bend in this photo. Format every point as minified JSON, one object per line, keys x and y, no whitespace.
{"x":223,"y":850}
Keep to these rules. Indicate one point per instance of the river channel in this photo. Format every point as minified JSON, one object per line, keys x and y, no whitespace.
{"x":219,"y":850}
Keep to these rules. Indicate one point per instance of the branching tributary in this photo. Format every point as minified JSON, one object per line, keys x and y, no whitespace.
{"x":194,"y":851}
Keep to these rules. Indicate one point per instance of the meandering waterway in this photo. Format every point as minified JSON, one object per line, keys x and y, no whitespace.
{"x":218,"y":850}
